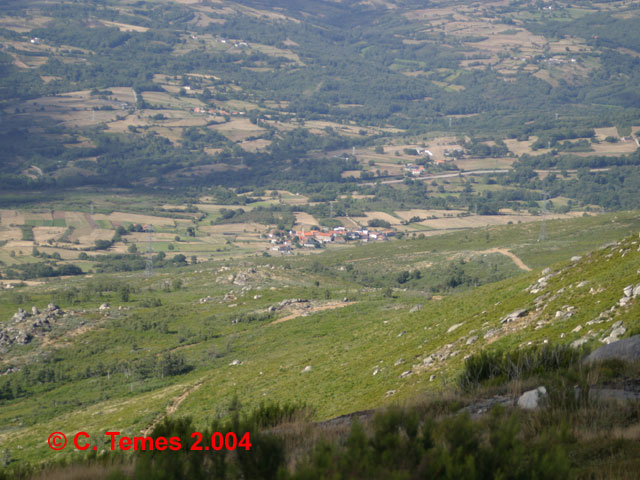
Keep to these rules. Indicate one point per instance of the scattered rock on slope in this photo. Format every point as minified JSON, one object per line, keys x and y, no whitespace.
{"x":454,"y":327}
{"x":241,"y":279}
{"x":615,"y":334}
{"x":513,"y":315}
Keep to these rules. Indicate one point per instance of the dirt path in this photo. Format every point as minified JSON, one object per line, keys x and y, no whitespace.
{"x":306,"y":311}
{"x":91,"y":221}
{"x":173,"y":407}
{"x":519,"y":263}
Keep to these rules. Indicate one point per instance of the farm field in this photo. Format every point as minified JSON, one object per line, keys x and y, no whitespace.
{"x":72,"y":234}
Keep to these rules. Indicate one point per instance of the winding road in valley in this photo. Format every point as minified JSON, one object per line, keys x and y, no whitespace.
{"x":446,"y":175}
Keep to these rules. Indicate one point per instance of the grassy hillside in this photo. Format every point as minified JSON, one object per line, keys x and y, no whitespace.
{"x":187,"y":341}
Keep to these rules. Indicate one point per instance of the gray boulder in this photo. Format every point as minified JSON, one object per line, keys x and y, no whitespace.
{"x":513,"y":315}
{"x":627,"y":349}
{"x":581,"y":341}
{"x":531,"y":399}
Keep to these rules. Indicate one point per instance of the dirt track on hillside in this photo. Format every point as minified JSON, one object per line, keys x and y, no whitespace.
{"x":520,"y":264}
{"x":173,"y":407}
{"x":299,"y":312}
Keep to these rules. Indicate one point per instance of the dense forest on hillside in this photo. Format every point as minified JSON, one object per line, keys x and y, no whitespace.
{"x":348,"y":63}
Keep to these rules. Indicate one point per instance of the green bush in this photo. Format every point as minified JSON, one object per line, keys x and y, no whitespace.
{"x":505,"y":366}
{"x":402,"y":445}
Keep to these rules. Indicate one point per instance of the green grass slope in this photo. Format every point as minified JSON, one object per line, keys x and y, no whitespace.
{"x":187,"y":341}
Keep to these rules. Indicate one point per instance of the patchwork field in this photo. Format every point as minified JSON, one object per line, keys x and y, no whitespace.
{"x":415,"y":212}
{"x":72,"y":233}
{"x":305,"y":220}
{"x":474,"y":221}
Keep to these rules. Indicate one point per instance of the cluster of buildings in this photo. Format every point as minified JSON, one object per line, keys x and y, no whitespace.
{"x":424,"y":152}
{"x":316,"y":238}
{"x":216,"y":111}
{"x":239,"y":44}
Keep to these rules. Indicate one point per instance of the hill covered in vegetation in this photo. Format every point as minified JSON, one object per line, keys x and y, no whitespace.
{"x":253,"y":94}
{"x":318,"y":335}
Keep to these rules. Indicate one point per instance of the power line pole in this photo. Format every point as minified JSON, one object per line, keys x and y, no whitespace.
{"x":543,"y":227}
{"x":148,"y":271}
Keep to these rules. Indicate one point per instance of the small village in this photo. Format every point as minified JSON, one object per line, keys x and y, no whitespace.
{"x":286,"y":242}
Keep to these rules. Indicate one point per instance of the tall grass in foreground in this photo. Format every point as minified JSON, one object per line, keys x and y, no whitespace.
{"x":519,"y":364}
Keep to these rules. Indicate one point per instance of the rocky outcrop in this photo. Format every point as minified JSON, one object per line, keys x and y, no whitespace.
{"x":291,"y":301}
{"x":540,"y":284}
{"x":24,"y":326}
{"x":627,"y":349}
{"x":629,"y":293}
{"x":617,"y":330}
{"x":286,"y":303}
